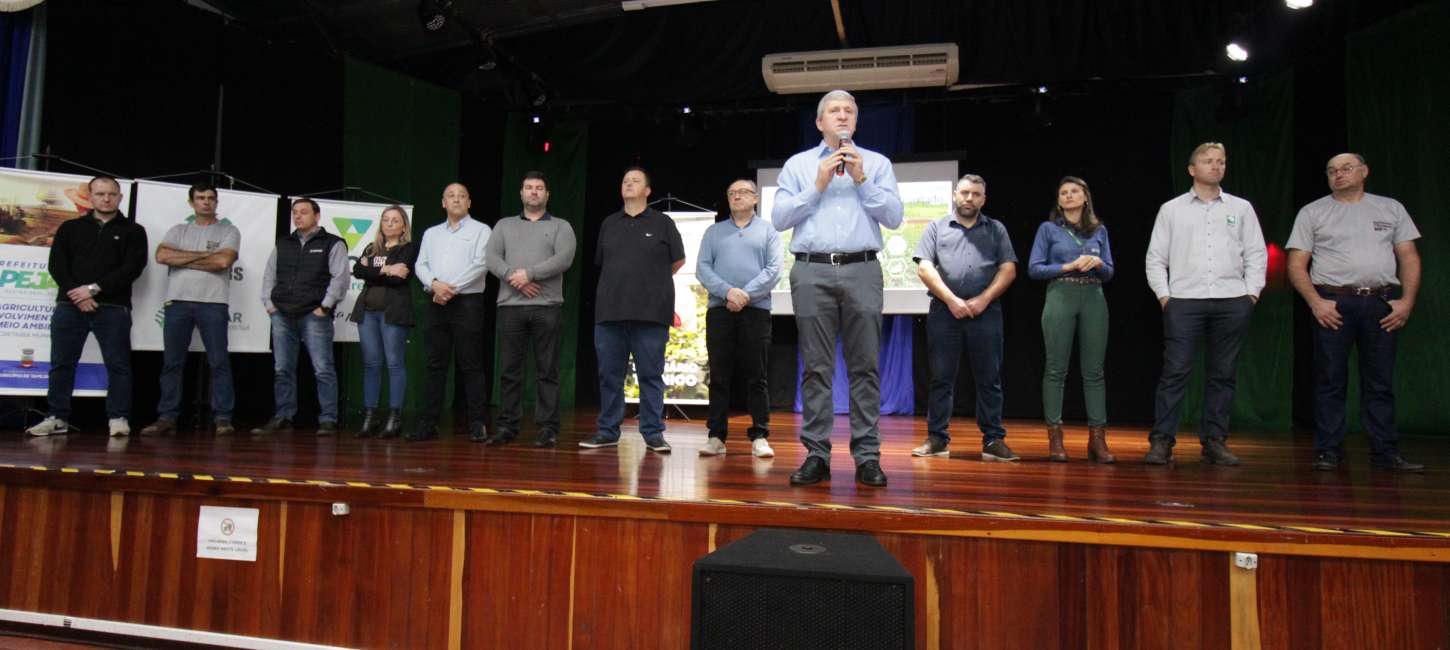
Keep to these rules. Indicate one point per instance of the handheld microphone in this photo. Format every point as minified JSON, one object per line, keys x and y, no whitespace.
{"x":844,"y":137}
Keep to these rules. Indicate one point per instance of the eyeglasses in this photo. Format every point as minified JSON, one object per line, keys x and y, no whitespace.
{"x":1347,"y":168}
{"x":734,"y":193}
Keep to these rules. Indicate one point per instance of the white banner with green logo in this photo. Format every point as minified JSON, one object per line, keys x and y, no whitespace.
{"x":159,"y":206}
{"x":32,"y":207}
{"x":357,"y":224}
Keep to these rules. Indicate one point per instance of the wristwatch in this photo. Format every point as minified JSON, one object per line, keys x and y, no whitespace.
{"x":93,"y":288}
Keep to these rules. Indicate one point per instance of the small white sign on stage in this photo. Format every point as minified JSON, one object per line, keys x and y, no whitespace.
{"x":227,"y":533}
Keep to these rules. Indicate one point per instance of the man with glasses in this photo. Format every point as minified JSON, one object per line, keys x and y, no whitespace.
{"x":1361,"y":290}
{"x":739,"y":262}
{"x":836,"y":196}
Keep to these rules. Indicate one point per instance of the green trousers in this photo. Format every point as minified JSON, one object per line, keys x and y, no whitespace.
{"x":1081,"y":310}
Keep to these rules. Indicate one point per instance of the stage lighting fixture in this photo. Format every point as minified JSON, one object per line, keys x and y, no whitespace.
{"x":1042,"y":90}
{"x":536,"y":119}
{"x":685,"y":110}
{"x":1236,"y":52}
{"x":1243,"y":80}
{"x":434,"y":13}
{"x":1299,"y":4}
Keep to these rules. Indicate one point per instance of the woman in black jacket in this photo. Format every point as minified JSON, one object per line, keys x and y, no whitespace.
{"x":384,"y":314}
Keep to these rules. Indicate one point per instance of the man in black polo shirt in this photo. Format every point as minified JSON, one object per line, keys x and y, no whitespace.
{"x":94,"y":260}
{"x":639,"y":251}
{"x":306,"y":277}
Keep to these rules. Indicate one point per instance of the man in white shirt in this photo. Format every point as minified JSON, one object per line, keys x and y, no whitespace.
{"x":1206,"y":262}
{"x":451,"y":266}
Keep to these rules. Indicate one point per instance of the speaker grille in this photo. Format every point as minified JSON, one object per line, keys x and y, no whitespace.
{"x":741,"y":610}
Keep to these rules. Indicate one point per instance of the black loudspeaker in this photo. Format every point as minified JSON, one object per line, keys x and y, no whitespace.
{"x":795,"y":589}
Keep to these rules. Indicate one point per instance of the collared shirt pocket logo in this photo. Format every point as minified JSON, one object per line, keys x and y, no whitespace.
{"x":1232,"y":219}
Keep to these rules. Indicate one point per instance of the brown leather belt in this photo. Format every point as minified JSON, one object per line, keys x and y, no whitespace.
{"x":1356,"y":291}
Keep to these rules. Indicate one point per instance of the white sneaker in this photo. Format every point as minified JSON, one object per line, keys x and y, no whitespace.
{"x":713,"y":447}
{"x":761,"y":448}
{"x":50,"y":426}
{"x":120,"y":427}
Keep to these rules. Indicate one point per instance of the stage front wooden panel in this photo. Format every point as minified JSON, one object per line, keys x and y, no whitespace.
{"x":415,"y":577}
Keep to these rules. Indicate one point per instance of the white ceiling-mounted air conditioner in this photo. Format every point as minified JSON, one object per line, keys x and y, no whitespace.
{"x":871,"y":68}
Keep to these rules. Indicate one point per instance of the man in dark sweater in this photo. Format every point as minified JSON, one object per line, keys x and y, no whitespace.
{"x":94,"y":260}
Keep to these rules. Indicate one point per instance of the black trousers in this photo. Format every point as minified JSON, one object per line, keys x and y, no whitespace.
{"x":1221,"y":323}
{"x":455,"y":331}
{"x":519,"y":329}
{"x":738,"y":341}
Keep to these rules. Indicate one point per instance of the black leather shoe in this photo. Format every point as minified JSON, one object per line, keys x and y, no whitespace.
{"x":500,"y":438}
{"x":478,"y":432}
{"x":1160,"y":452}
{"x":869,"y":473}
{"x":813,"y":471}
{"x":1217,"y":453}
{"x":425,"y":431}
{"x":275,"y":425}
{"x":547,"y":440}
{"x":1326,"y":461}
{"x":1396,"y":463}
{"x":325,"y":429}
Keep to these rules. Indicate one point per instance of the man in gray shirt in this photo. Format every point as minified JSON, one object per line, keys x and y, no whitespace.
{"x":1206,"y":262}
{"x":1361,"y":289}
{"x":199,"y":254}
{"x":529,"y":254}
{"x":306,"y":276}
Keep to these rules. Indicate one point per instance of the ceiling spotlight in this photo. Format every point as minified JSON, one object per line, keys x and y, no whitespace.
{"x":1236,"y":52}
{"x":434,"y":13}
{"x":1042,"y":90}
{"x":536,"y":119}
{"x":1299,"y":4}
{"x":685,"y":110}
{"x":1243,"y":80}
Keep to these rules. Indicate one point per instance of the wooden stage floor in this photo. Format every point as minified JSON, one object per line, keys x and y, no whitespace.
{"x":1274,"y":491}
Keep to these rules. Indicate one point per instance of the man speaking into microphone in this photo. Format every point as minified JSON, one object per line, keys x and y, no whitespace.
{"x":837,"y":196}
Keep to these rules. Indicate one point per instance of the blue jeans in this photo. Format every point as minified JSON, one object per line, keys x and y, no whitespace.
{"x":211,"y":319}
{"x":1360,"y":327}
{"x":614,"y":342}
{"x":982,"y":337}
{"x":69,"y":327}
{"x":381,"y":340}
{"x":316,"y":333}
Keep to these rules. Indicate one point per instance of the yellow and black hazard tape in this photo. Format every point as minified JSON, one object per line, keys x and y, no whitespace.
{"x":889,"y":509}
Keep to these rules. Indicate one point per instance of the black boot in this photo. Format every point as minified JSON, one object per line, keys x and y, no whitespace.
{"x":372,"y":419}
{"x":394,"y":427}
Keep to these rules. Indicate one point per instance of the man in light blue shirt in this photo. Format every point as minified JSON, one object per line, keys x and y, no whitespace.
{"x":451,"y":266}
{"x":739,"y":262}
{"x":837,"y":196}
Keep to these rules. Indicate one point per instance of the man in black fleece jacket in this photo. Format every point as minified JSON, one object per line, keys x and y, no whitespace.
{"x":94,"y":260}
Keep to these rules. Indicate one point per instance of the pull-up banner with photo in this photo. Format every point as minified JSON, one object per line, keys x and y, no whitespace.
{"x":32,"y":207}
{"x":357,"y":224}
{"x":687,"y":361}
{"x":159,"y":207}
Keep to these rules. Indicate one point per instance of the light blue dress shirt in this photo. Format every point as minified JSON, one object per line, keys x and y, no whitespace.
{"x":748,"y":259}
{"x":846,"y":218}
{"x":454,"y":255}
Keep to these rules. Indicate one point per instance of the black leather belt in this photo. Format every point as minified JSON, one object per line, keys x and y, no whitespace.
{"x":1356,"y":291}
{"x":836,"y":259}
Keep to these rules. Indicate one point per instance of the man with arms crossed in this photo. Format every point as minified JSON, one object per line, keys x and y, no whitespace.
{"x":199,"y":254}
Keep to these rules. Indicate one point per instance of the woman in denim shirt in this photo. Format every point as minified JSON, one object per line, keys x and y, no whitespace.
{"x":1071,"y":252}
